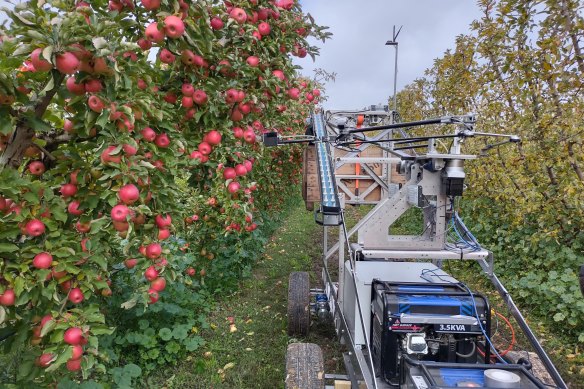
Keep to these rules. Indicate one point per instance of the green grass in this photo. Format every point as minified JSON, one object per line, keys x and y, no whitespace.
{"x":254,"y":355}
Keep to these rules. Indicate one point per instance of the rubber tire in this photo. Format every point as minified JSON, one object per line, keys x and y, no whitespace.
{"x":304,"y":366}
{"x":298,"y":304}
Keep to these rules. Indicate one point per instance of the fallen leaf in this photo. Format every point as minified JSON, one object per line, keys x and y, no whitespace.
{"x":230,"y":365}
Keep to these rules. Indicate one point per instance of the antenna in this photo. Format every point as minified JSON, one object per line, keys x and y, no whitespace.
{"x":394,"y":43}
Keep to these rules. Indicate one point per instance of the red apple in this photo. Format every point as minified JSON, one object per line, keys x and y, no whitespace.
{"x":76,"y":351}
{"x":73,"y":336}
{"x":95,"y":104}
{"x":151,"y":4}
{"x":214,"y":137}
{"x":34,"y":228}
{"x":93,"y":86}
{"x":36,"y":168}
{"x":40,"y":64}
{"x":68,"y":126}
{"x":238,"y":132}
{"x":205,"y":148}
{"x":74,"y":87}
{"x":119,"y":213}
{"x":45,"y":360}
{"x":217,"y":23}
{"x":67,"y":63}
{"x":107,"y":157}
{"x":148,"y":134}
{"x":199,"y":97}
{"x":253,"y":61}
{"x":187,"y":89}
{"x":162,"y":140}
{"x":153,"y":250}
{"x":130,"y":263}
{"x":238,"y":15}
{"x":187,"y":102}
{"x":233,"y":187}
{"x":191,"y":271}
{"x":151,"y":273}
{"x":74,"y":364}
{"x":158,"y":284}
{"x":240,"y":170}
{"x":129,"y":149}
{"x":68,"y":190}
{"x":153,"y":294}
{"x":294,"y":93}
{"x":163,"y":234}
{"x":73,"y":208}
{"x":264,"y":28}
{"x":76,"y":295}
{"x":7,"y":298}
{"x":153,"y":34}
{"x":129,"y":194}
{"x":166,"y":56}
{"x":174,"y":26}
{"x":42,"y":260}
{"x":229,"y":173}
{"x":163,"y":221}
{"x":249,"y":136}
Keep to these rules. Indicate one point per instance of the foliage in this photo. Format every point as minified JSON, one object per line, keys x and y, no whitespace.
{"x":90,"y":115}
{"x":520,"y":70}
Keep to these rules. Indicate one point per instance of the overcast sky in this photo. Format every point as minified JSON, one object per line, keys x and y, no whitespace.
{"x":357,"y":51}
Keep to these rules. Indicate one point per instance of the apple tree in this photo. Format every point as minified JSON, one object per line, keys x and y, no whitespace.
{"x":107,"y":109}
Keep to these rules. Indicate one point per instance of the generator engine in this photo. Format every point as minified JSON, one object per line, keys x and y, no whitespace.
{"x":427,"y":322}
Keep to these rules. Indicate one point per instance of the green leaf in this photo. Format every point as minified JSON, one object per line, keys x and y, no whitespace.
{"x":8,"y":248}
{"x":48,"y":327}
{"x":132,"y":370}
{"x":38,"y":125}
{"x":61,"y":359}
{"x":59,"y":214}
{"x":165,"y":334}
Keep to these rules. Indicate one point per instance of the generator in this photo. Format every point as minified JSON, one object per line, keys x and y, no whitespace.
{"x":436,"y":322}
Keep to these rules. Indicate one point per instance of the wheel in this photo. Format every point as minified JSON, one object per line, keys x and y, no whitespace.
{"x":304,"y":366}
{"x":298,"y":304}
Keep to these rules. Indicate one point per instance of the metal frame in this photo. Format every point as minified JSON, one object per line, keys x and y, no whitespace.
{"x":375,"y":242}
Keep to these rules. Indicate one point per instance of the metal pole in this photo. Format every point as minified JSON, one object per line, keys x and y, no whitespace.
{"x":395,"y":78}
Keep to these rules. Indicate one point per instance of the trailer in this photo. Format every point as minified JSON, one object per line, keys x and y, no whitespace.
{"x":406,"y":322}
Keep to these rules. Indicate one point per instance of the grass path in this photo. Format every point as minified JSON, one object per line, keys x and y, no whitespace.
{"x":253,"y":356}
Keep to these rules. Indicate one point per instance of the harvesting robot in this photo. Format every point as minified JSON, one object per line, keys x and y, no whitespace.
{"x":405,"y":322}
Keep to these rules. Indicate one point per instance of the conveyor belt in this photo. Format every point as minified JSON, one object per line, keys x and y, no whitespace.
{"x":329,"y":201}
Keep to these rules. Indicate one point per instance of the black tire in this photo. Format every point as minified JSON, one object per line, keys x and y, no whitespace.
{"x":298,"y":304}
{"x":304,"y":366}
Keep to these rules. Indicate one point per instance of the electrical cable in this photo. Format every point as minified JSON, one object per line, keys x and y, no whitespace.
{"x":487,"y":338}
